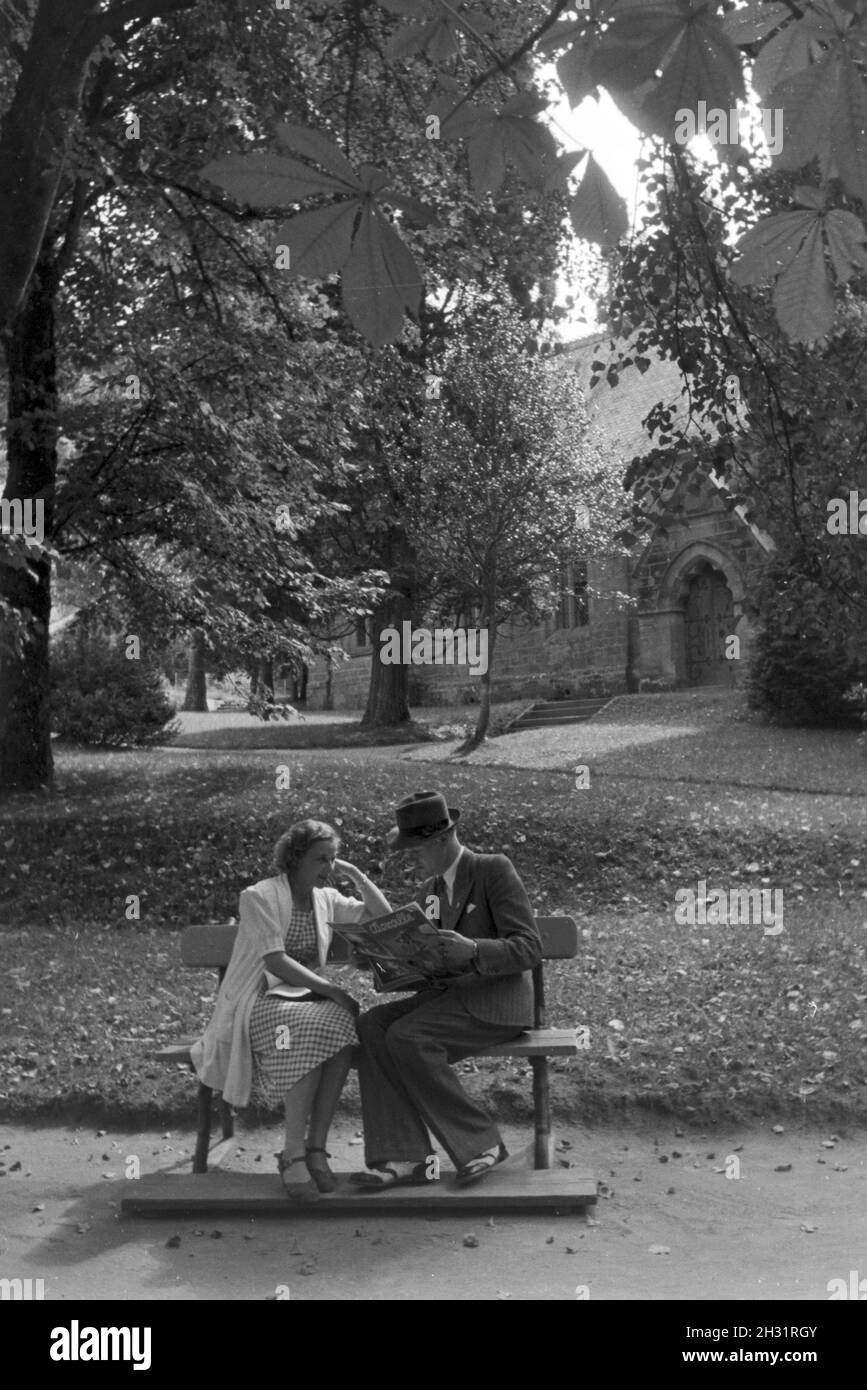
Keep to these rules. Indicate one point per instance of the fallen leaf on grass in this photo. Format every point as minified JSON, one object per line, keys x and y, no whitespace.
{"x":783,"y":1168}
{"x":471,"y":1241}
{"x":659,"y":1249}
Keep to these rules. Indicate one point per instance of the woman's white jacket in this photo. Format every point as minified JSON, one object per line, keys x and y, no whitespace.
{"x":223,"y":1057}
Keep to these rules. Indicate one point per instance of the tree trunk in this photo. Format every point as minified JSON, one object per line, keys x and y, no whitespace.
{"x":480,"y":733}
{"x":387,"y":701}
{"x":26,"y":761}
{"x":328,"y":698}
{"x":265,"y":677}
{"x":40,"y":126}
{"x":196,"y":698}
{"x":34,"y":139}
{"x":301,"y":684}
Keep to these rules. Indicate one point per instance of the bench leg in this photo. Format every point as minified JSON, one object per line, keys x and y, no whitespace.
{"x":203,"y":1130}
{"x":226,"y":1118}
{"x":542,"y":1154}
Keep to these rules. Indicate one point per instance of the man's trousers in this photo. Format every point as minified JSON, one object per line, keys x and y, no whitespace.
{"x":408,"y":1086}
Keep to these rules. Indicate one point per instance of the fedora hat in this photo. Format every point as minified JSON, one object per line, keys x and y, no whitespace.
{"x":418,"y":817}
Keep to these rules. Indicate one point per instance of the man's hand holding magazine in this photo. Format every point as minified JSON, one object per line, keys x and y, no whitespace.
{"x":457,"y":950}
{"x":405,"y":949}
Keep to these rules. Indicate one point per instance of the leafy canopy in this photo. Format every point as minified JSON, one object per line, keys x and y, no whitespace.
{"x":656,"y":58}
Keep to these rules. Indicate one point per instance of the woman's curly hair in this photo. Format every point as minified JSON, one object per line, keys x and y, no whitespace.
{"x":294,"y":843}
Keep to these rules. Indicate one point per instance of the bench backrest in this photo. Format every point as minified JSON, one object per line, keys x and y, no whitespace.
{"x":212,"y":945}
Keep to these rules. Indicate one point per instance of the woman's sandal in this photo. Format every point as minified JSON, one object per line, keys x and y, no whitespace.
{"x":296,"y":1191}
{"x":378,"y":1179}
{"x":479,"y":1167}
{"x":320,"y":1171}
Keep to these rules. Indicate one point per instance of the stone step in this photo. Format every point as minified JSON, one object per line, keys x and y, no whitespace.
{"x":553,"y":713}
{"x":566,"y":706}
{"x":549,"y":723}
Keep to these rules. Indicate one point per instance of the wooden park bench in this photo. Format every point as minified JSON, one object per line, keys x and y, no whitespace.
{"x":211,"y":947}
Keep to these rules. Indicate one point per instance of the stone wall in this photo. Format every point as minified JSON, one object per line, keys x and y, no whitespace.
{"x":625,"y":646}
{"x":533,"y":662}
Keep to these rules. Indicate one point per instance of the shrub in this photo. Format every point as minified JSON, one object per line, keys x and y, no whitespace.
{"x":856,"y":701}
{"x":262,"y":704}
{"x":100,"y":697}
{"x":803,"y":666}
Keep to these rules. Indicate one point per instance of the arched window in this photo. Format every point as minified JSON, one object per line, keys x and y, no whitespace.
{"x":573,"y":609}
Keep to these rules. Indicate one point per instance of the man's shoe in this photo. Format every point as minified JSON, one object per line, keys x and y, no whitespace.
{"x":379,"y":1179}
{"x":480,"y":1166}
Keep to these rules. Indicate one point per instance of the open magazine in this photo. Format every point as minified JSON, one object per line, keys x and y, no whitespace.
{"x":403,"y":948}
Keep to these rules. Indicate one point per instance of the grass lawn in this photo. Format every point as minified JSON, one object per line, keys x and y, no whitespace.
{"x":716,"y":1021}
{"x":705,"y":736}
{"x":332,"y":729}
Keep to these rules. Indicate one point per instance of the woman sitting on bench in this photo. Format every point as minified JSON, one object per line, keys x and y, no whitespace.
{"x":294,"y":1046}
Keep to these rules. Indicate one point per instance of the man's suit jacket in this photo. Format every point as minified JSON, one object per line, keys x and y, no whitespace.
{"x":490,"y":905}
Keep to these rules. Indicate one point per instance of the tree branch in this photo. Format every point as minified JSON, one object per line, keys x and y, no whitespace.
{"x":503,"y":65}
{"x":142,"y":10}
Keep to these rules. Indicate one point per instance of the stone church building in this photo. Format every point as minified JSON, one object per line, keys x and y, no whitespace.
{"x":660,"y":618}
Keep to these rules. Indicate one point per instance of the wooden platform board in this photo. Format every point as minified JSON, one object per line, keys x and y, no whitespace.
{"x":508,"y":1188}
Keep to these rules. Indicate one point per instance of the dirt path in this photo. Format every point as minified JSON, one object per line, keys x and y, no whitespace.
{"x":742,"y":1238}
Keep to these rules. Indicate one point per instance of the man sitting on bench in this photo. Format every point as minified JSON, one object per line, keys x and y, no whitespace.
{"x":490,"y":943}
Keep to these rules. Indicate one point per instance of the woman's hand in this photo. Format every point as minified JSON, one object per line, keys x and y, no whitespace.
{"x":343,"y":869}
{"x":346,"y":1001}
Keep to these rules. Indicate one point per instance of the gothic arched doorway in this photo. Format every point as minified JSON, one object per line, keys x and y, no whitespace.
{"x":708,"y":620}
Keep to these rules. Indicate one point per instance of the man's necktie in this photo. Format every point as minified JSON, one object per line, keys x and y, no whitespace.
{"x":439,"y":888}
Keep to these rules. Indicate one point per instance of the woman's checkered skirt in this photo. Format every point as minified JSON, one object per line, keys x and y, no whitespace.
{"x":290,"y":1038}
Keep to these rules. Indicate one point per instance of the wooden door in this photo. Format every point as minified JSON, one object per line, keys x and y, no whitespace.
{"x":708,"y":621}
